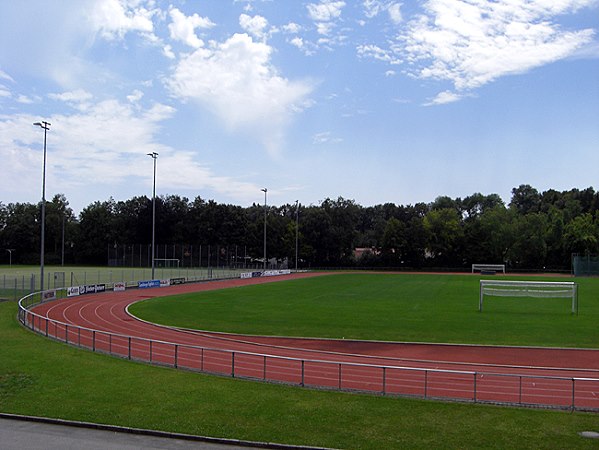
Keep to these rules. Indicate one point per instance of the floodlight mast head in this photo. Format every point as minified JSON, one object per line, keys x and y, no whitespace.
{"x":43,"y":124}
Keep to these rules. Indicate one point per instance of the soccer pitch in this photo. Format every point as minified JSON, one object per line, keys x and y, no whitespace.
{"x":389,"y":307}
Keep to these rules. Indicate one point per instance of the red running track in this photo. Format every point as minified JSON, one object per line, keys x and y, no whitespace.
{"x":563,"y":378}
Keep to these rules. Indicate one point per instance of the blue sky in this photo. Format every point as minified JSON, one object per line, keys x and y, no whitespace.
{"x":373,"y":100}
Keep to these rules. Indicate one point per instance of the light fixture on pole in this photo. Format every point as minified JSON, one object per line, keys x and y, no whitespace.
{"x":46,"y":126}
{"x":154,"y":156}
{"x":296,"y":231}
{"x":265,"y":191}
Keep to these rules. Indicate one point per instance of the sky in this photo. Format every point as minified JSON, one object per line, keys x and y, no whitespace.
{"x":372,"y":100}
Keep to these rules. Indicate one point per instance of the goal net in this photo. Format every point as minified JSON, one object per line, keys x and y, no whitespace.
{"x":488,"y":268}
{"x":166,"y":262}
{"x":537,"y":289}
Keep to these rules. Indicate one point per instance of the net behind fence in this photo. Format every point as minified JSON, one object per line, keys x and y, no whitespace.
{"x":585,"y":265}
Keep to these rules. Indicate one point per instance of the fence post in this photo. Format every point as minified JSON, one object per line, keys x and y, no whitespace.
{"x":339,"y":376}
{"x":66,"y":333}
{"x":264,"y":369}
{"x":302,"y":383}
{"x":151,"y":350}
{"x":176,"y":354}
{"x":573,"y":393}
{"x":425,"y":383}
{"x":94,"y":340}
{"x":232,"y":364}
{"x":475,"y":387}
{"x":129,"y":348}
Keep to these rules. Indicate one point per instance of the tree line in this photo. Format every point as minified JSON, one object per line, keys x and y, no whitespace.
{"x":534,"y":231}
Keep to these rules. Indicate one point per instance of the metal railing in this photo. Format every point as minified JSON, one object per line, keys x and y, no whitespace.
{"x":575,"y":393}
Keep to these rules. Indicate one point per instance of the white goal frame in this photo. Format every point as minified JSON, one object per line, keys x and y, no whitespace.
{"x":538,"y":289}
{"x":169,"y":263}
{"x":496,"y":267}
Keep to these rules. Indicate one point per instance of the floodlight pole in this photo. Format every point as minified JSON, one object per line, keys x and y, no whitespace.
{"x":154,"y":156}
{"x":296,"y":231}
{"x":45,"y":126}
{"x":264,"y":263}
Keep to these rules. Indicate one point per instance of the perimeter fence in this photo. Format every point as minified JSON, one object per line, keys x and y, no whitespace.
{"x":14,"y":287}
{"x":558,"y":392}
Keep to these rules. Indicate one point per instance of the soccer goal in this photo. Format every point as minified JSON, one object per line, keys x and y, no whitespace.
{"x":166,"y":262}
{"x":538,"y":289}
{"x":488,"y":268}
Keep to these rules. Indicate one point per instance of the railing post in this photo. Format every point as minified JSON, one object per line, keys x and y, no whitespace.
{"x":425,"y":383}
{"x":94,"y":340}
{"x":520,"y":393}
{"x":475,"y":387}
{"x":302,"y":383}
{"x":232,"y":364}
{"x":110,"y":344}
{"x":66,"y":333}
{"x":79,"y":337}
{"x":264,"y":369}
{"x":573,"y":393}
{"x":151,"y":350}
{"x":384,"y":380}
{"x":202,"y":360}
{"x":129,"y":348}
{"x":176,"y":354}
{"x":339,"y":376}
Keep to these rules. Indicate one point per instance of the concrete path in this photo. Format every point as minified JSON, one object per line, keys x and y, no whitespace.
{"x":22,"y":434}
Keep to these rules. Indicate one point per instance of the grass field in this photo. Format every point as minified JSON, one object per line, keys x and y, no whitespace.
{"x":45,"y":378}
{"x":392,"y":307}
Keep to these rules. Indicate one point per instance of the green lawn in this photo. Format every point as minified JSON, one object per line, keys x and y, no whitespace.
{"x":45,"y":378}
{"x":392,"y":307}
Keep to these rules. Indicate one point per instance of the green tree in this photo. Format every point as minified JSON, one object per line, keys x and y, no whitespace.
{"x":444,"y":230}
{"x":582,"y":235}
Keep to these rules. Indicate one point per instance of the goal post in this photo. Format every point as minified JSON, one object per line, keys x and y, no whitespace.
{"x":488,"y":267}
{"x":538,"y":289}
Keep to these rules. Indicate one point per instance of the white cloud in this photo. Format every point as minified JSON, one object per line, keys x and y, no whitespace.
{"x":255,"y":25}
{"x":326,"y":10}
{"x":373,"y":51}
{"x":135,"y":96}
{"x":182,"y":27}
{"x":23,"y":99}
{"x":394,"y":11}
{"x":102,"y":149}
{"x":472,"y":43}
{"x":237,"y":81}
{"x":114,"y":18}
{"x":443,"y":98}
{"x":292,"y":28}
{"x":5,"y":76}
{"x":373,"y":8}
{"x":77,"y":96}
{"x":325,"y":137}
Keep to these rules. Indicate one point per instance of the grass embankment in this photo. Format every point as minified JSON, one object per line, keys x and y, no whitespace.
{"x":391,"y":307}
{"x":45,"y":378}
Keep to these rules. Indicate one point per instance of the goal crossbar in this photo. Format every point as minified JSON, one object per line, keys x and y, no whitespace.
{"x":537,"y":289}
